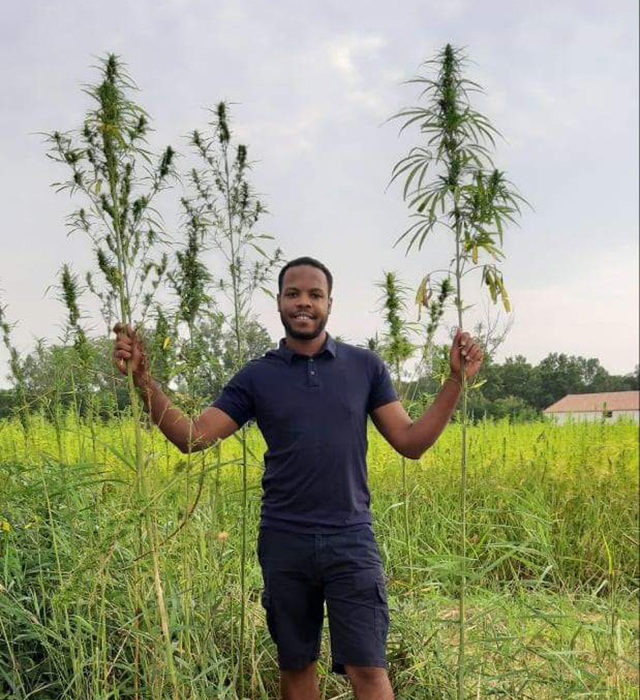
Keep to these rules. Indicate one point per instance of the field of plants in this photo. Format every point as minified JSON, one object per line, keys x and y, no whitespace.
{"x":552,"y":565}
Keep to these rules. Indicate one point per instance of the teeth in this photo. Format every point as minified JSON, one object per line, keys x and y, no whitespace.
{"x":302,"y":316}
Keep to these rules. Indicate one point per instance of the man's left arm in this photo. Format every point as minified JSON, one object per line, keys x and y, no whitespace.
{"x":412,"y":439}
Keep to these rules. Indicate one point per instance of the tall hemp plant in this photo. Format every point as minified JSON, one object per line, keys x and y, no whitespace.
{"x":396,"y":349}
{"x":189,"y":279}
{"x":468,"y":198}
{"x":117,"y":180}
{"x":226,"y":200}
{"x":80,"y":369}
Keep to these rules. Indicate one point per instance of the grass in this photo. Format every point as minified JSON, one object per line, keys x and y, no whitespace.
{"x":552,"y":566}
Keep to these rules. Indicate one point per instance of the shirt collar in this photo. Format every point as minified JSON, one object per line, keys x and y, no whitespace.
{"x":288,"y":354}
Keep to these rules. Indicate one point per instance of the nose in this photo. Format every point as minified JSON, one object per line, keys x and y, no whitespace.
{"x":303,"y":303}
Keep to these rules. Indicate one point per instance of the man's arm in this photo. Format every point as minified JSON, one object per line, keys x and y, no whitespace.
{"x":189,"y":435}
{"x":411,"y":439}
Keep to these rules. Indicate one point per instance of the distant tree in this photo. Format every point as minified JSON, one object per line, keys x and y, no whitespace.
{"x":8,"y":403}
{"x":558,"y":375}
{"x":630,"y":381}
{"x":220,"y":347}
{"x":519,"y":379}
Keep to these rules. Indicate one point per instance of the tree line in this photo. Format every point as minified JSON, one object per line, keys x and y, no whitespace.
{"x":515,"y":388}
{"x":521,"y":390}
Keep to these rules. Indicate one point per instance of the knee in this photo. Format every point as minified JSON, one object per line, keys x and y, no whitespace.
{"x":308,"y":670}
{"x":367,"y":676}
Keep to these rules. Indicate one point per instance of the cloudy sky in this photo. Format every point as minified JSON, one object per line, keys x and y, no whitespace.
{"x":313,"y":85}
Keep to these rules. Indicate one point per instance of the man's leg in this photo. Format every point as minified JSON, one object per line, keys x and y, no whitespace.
{"x":294,"y":604}
{"x":301,"y":684}
{"x":356,"y":598}
{"x":369,"y":682}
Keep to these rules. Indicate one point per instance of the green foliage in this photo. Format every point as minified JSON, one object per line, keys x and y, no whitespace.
{"x":7,"y":403}
{"x":467,"y":195}
{"x":225,"y":204}
{"x":117,"y":179}
{"x":15,"y":364}
{"x":52,"y":373}
{"x":550,"y":621}
{"x":191,"y":277}
{"x":396,"y":348}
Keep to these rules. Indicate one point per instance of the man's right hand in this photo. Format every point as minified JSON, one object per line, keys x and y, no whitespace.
{"x":128,"y":346}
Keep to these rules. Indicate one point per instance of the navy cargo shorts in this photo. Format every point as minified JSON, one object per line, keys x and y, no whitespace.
{"x":300,"y":572}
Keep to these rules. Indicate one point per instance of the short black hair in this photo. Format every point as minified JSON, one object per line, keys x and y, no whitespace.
{"x":306,"y":261}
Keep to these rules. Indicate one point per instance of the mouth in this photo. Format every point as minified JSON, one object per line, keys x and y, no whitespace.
{"x":303,"y":317}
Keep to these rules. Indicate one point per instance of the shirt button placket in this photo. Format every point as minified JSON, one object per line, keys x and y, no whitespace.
{"x":312,"y":372}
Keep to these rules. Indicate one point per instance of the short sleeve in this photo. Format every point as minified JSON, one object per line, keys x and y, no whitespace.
{"x":381,"y":390}
{"x":236,"y":399}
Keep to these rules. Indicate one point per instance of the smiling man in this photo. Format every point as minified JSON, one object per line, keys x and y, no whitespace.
{"x":310,"y":398}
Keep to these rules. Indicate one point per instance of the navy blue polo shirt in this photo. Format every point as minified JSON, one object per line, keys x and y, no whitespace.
{"x":312,"y":412}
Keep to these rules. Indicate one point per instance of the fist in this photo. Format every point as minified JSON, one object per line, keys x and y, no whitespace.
{"x":465,"y":351}
{"x":128,"y":348}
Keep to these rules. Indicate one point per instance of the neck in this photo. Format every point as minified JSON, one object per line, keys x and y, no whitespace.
{"x":306,"y":347}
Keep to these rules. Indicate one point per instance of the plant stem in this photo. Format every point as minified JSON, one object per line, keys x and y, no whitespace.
{"x":239,"y":359}
{"x":463,"y":485}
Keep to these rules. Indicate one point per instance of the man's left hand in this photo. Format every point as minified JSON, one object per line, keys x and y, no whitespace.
{"x":464,"y":350}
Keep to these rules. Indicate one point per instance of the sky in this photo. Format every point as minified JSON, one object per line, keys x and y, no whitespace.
{"x":312,"y":86}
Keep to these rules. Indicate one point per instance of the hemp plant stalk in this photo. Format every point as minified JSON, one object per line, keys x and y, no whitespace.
{"x":225,"y":198}
{"x":467,"y":197}
{"x":114,"y":174}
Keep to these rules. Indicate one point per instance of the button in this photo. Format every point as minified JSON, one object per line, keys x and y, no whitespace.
{"x":311,"y":359}
{"x":312,"y":372}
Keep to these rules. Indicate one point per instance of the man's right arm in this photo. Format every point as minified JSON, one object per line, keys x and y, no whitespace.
{"x":189,"y":435}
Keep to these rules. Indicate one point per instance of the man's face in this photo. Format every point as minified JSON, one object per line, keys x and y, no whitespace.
{"x":304,"y":303}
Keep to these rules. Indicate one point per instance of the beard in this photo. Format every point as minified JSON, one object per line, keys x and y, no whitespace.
{"x":304,"y":335}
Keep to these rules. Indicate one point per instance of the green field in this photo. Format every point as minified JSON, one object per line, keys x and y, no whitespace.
{"x":552,"y":547}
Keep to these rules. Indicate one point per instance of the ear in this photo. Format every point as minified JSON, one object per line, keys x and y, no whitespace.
{"x":278,"y":301}
{"x":329,"y":305}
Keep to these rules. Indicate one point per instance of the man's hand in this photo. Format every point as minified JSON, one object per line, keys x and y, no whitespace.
{"x":465,"y":351}
{"x":128,"y":346}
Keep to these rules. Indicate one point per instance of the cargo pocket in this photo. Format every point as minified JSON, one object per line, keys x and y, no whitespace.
{"x":381,"y":612}
{"x":268,"y":607}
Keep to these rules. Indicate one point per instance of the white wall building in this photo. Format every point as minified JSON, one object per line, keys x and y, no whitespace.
{"x":607,"y":406}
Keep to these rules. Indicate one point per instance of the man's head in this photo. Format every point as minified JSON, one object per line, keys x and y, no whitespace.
{"x":304,"y":297}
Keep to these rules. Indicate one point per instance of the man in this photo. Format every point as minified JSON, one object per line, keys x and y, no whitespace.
{"x":310,"y":398}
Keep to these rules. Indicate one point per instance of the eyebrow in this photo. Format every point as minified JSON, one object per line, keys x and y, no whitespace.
{"x":295,"y":289}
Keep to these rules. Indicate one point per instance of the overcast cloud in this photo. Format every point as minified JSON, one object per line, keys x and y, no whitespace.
{"x":314,"y":83}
